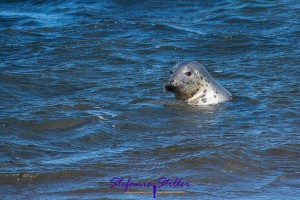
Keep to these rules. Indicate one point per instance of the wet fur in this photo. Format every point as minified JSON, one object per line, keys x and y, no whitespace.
{"x":191,"y":82}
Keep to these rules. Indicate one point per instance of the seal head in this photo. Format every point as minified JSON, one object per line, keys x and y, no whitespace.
{"x":191,"y":82}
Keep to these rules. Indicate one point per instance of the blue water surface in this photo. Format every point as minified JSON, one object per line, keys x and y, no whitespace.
{"x":82,"y":102}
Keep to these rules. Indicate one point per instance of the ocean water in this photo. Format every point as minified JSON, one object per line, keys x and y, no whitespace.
{"x":82,"y":102}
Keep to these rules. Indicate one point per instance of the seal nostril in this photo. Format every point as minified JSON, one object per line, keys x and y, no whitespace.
{"x":170,"y":86}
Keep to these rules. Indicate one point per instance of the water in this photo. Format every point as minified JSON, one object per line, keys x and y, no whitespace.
{"x":82,"y":99}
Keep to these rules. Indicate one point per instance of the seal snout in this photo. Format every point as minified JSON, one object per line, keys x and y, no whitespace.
{"x":170,"y":86}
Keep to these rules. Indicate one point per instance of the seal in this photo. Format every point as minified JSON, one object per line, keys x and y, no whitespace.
{"x":191,"y":82}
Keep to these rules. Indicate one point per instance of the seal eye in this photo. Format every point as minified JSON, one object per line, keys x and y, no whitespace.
{"x":171,"y":72}
{"x":188,"y":73}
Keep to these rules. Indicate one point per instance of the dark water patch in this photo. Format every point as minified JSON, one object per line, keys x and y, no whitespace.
{"x":77,"y":107}
{"x":65,"y":174}
{"x":179,"y":149}
{"x":32,"y":178}
{"x":55,"y":124}
{"x":280,"y":152}
{"x":18,"y":178}
{"x":290,"y":180}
